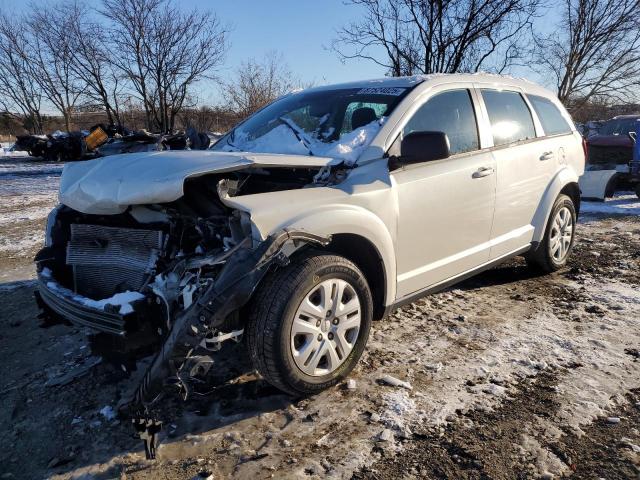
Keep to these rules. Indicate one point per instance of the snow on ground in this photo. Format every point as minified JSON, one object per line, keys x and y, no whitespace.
{"x":28,"y":192}
{"x":624,"y":203}
{"x":464,"y":350}
{"x":6,"y":151}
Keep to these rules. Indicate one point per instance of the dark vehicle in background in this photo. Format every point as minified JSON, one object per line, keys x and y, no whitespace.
{"x":613,"y":144}
{"x":610,"y":163}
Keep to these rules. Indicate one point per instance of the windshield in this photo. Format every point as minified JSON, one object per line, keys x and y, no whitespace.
{"x":336,"y":123}
{"x":621,"y":126}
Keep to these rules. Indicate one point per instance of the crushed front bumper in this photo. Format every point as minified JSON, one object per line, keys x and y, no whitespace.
{"x":107,"y":321}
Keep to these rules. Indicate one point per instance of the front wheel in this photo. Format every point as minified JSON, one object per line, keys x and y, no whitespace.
{"x":309,"y":323}
{"x":554,"y":249}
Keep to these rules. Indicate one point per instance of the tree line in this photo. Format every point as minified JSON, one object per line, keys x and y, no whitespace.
{"x":124,"y":58}
{"x":589,"y":50}
{"x":143,"y":58}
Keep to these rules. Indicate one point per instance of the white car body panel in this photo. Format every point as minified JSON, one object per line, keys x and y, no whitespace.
{"x":436,"y":243}
{"x":429,"y":222}
{"x":593,"y":184}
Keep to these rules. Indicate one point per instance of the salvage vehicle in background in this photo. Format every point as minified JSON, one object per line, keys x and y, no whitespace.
{"x":613,"y":163}
{"x":323,"y":211}
{"x":104,"y":140}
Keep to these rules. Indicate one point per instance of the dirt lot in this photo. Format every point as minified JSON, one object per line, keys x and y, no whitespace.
{"x":512,"y":376}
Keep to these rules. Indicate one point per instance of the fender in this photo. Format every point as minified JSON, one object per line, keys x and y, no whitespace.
{"x":337,"y":219}
{"x":562,"y":178}
{"x":324,"y":219}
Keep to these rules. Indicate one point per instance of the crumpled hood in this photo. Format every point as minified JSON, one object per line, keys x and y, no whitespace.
{"x":109,"y":185}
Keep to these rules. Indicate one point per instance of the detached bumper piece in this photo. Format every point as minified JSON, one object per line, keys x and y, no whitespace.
{"x":148,"y":430}
{"x":79,"y":314}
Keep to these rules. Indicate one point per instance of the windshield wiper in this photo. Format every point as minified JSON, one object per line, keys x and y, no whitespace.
{"x":231,"y":138}
{"x":298,"y":132}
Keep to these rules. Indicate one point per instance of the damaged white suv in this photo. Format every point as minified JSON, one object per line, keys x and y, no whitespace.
{"x":315,"y":216}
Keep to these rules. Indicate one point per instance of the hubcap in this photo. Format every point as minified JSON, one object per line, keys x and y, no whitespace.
{"x":325,"y":327}
{"x":561,"y":234}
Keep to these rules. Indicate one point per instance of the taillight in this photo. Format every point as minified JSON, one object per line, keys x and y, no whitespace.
{"x":585,"y":148}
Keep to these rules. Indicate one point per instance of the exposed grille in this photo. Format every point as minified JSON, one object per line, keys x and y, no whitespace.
{"x":108,"y":260}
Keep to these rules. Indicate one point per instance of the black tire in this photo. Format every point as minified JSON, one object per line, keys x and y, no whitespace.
{"x":638,"y":190}
{"x":541,"y":258}
{"x":612,"y":184}
{"x":272,"y":312}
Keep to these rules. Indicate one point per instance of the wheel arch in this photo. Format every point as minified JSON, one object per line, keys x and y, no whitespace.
{"x":572,"y":190}
{"x":357,"y":234}
{"x":564,"y":182}
{"x":367,"y":258}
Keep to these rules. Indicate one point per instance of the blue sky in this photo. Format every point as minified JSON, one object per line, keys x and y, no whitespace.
{"x":300,"y":30}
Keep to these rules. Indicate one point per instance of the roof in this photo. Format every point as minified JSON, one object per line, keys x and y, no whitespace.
{"x":440,"y":78}
{"x":386,"y":82}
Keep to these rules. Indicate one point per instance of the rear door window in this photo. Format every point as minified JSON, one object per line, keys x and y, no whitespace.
{"x":449,"y":112}
{"x":550,"y":117}
{"x":509,"y":115}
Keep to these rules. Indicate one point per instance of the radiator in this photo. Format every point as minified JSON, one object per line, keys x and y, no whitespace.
{"x":108,"y":260}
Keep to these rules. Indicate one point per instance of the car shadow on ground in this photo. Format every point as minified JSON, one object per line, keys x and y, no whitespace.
{"x":512,"y":271}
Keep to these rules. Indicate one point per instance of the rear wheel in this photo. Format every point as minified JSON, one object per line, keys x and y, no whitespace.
{"x":554,"y":250}
{"x":309,"y":323}
{"x":612,"y":184}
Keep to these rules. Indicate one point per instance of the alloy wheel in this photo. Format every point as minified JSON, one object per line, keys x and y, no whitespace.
{"x":325,"y":327}
{"x":561,"y":235}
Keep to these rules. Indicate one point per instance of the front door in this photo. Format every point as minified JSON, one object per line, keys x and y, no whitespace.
{"x":445,"y":206}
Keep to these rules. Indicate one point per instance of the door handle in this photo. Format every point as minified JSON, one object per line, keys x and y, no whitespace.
{"x":482,"y":172}
{"x":546,"y":156}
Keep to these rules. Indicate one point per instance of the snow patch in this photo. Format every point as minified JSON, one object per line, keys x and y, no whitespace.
{"x":123,"y":299}
{"x":6,"y":150}
{"x":400,"y":410}
{"x":108,"y":412}
{"x":625,"y":204}
{"x":283,"y":140}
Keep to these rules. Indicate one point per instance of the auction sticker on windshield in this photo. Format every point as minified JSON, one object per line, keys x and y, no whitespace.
{"x":381,"y":91}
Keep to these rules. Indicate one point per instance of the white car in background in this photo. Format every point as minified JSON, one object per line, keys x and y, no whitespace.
{"x":320,"y":213}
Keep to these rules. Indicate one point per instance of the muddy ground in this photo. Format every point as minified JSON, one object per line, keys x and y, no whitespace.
{"x":512,"y":375}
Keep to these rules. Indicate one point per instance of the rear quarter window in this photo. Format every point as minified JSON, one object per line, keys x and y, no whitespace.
{"x":550,"y":117}
{"x":509,"y":115}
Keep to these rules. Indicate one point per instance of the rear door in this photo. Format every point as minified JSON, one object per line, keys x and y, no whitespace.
{"x":524,"y":168}
{"x":445,"y":206}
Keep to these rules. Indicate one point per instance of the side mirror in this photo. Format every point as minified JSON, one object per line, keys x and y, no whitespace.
{"x":420,"y":147}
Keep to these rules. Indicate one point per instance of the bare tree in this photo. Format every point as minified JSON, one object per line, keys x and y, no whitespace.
{"x":257,"y":83}
{"x":419,"y":36}
{"x":209,"y":119}
{"x":594,"y":52}
{"x":163,"y":51}
{"x":18,"y":89}
{"x":91,"y":61}
{"x":50,"y":57}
